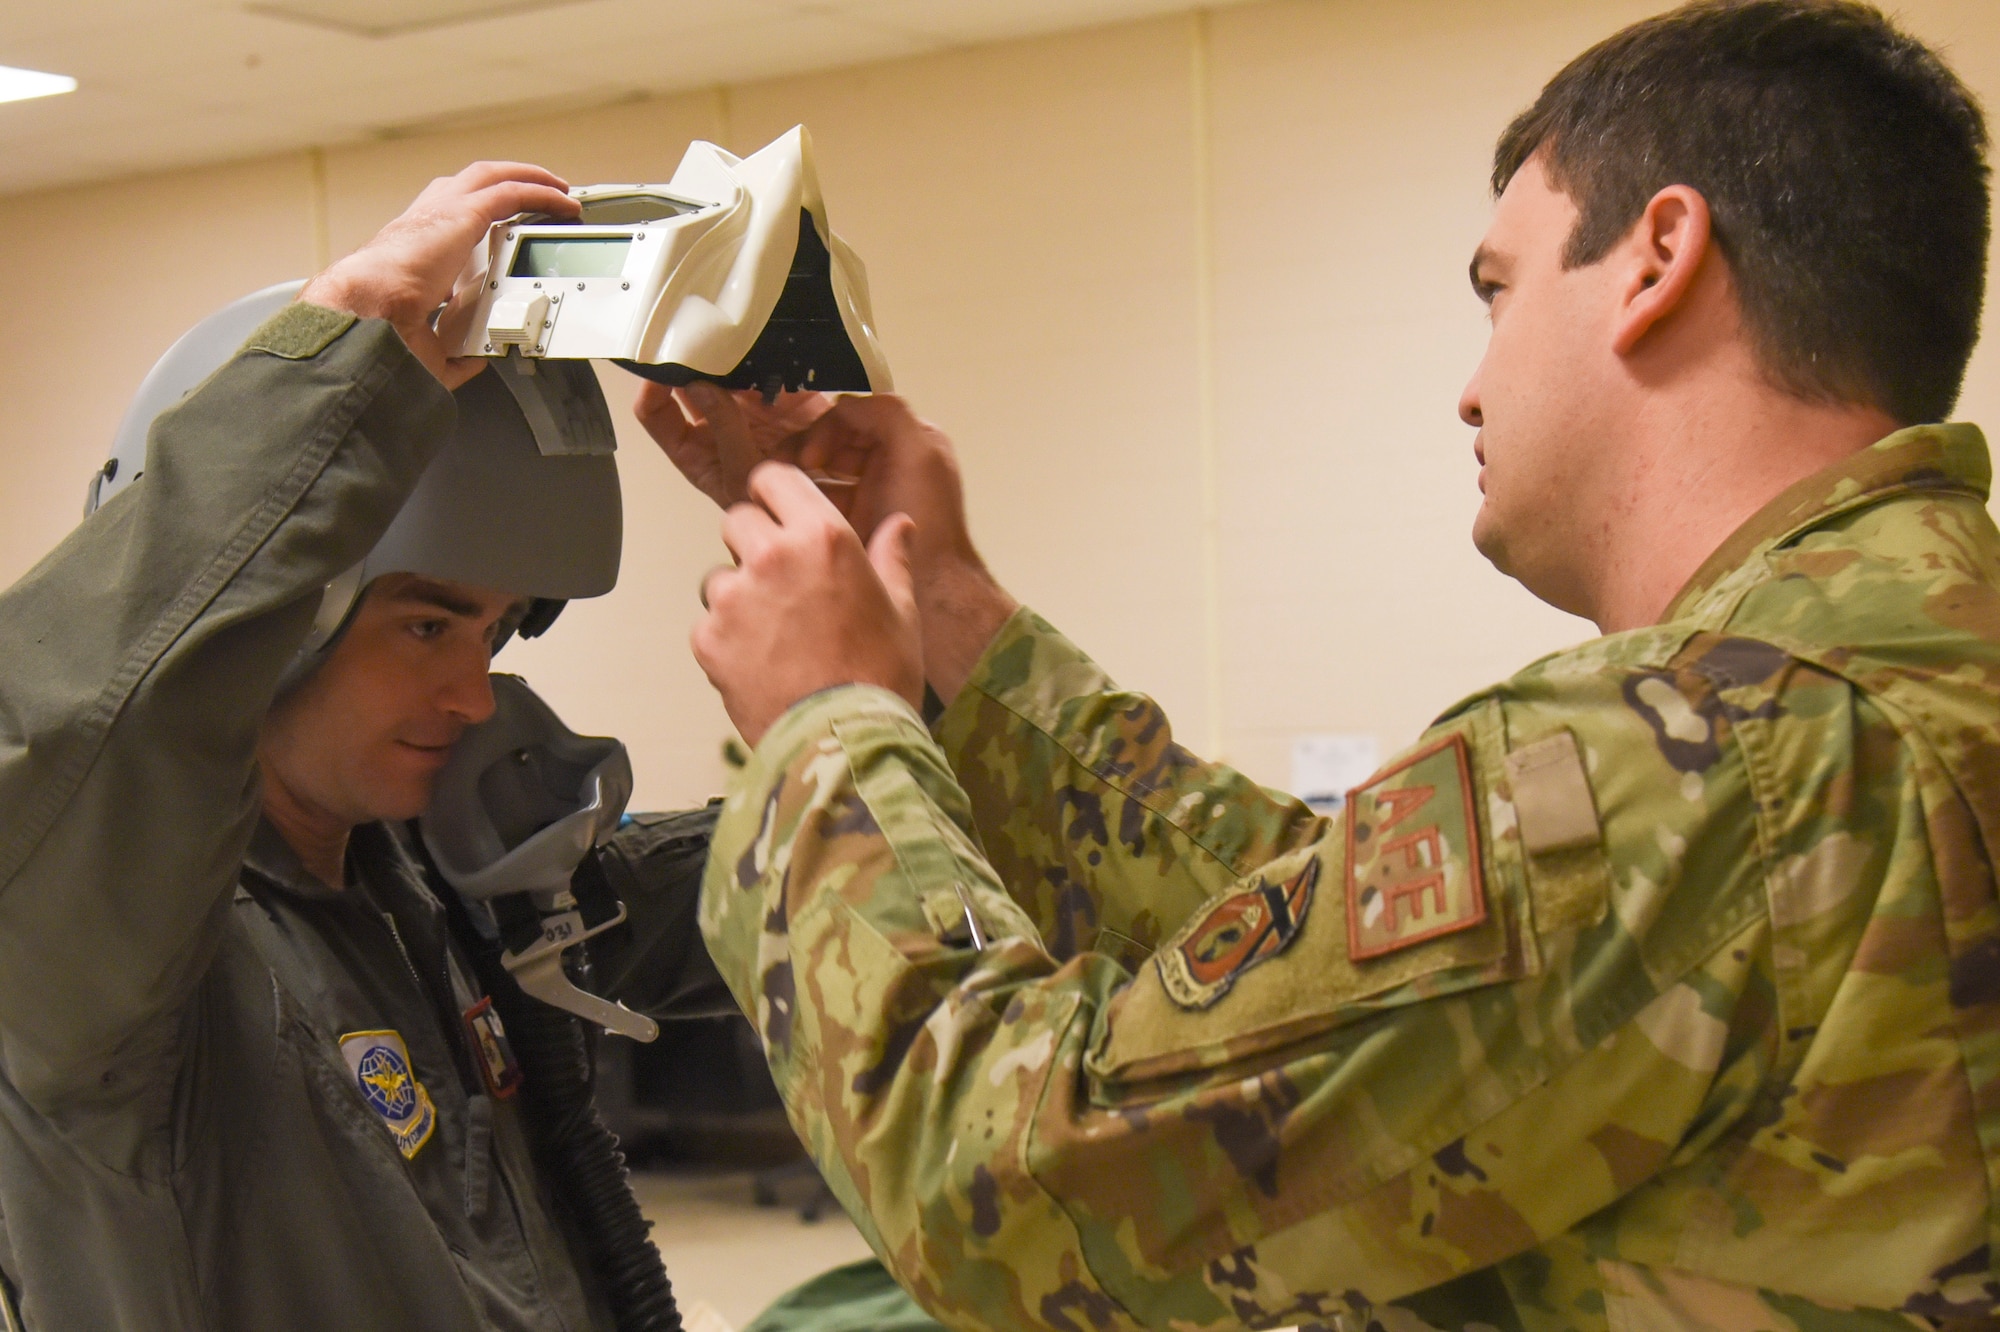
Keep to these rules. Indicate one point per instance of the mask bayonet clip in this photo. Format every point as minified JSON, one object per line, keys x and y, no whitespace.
{"x":538,"y":970}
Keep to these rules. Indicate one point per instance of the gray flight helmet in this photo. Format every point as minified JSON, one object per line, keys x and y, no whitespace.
{"x":195,"y":355}
{"x":523,"y":498}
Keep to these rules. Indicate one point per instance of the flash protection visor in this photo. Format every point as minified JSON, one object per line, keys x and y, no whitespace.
{"x":729,"y":273}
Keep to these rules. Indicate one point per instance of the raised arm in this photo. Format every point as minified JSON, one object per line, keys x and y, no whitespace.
{"x":1101,"y":825}
{"x":142,"y":655}
{"x":1106,"y":831}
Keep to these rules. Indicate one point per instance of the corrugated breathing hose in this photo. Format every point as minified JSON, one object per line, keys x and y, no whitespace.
{"x":581,"y":1155}
{"x":578,"y":1154}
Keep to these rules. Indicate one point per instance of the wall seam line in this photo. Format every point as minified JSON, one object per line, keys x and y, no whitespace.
{"x":725,"y":115}
{"x":322,"y":226}
{"x":1207,"y":428}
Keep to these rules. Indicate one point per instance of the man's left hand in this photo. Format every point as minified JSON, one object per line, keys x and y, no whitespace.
{"x":806,"y":608}
{"x":716,"y":437}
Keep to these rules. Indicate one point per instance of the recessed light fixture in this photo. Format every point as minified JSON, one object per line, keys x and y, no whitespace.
{"x":18,"y":85}
{"x":394,"y":18}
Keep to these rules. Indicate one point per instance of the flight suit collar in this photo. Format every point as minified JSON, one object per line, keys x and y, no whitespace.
{"x":271,"y":858}
{"x":373,"y":860}
{"x":1928,"y":459}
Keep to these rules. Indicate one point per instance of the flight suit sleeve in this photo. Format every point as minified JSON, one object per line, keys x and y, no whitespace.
{"x":1526,"y":971}
{"x":139,"y":659}
{"x":1107,"y":831}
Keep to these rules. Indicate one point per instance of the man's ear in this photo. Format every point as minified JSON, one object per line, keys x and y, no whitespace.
{"x":1665,"y":250}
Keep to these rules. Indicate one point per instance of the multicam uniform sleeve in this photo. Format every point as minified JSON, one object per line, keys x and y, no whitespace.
{"x":139,"y":659}
{"x":1529,"y":970}
{"x":1104,"y":828}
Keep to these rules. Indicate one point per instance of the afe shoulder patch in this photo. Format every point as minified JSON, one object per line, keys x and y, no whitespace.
{"x":380,"y":1063}
{"x":1232,"y":935}
{"x":1413,"y":869}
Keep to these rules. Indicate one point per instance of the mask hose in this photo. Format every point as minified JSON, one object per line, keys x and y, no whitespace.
{"x":571,"y":1143}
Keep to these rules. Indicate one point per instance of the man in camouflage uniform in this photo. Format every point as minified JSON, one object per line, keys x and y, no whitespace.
{"x":1657,"y":987}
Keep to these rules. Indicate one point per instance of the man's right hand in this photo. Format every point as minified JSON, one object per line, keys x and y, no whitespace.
{"x":900,"y":463}
{"x":408,"y":271}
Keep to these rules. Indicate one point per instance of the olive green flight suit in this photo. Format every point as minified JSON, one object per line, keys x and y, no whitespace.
{"x":230,"y":1096}
{"x":1655,"y":988}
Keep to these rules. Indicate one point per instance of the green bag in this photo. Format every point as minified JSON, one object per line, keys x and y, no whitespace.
{"x":860,"y":1297}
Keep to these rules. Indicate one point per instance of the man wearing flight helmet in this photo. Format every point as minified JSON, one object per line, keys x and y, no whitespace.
{"x":217,"y":992}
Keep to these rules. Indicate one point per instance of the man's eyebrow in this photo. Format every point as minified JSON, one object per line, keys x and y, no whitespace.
{"x":427,"y":593}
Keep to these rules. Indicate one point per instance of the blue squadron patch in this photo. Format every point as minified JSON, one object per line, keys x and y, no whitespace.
{"x":380,"y":1063}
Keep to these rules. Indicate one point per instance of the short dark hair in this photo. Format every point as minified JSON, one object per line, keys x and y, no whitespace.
{"x":1845,"y":171}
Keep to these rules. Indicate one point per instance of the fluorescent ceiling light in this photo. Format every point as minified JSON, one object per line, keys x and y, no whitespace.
{"x":393,"y":18}
{"x":18,"y":85}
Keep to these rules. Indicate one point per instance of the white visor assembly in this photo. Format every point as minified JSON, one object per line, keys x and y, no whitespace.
{"x":728,"y":272}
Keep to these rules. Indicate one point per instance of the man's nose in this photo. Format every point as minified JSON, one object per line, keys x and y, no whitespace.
{"x":1468,"y":403}
{"x":469,"y":695}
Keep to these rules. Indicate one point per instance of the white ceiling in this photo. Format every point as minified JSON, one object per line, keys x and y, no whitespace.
{"x":170,"y":83}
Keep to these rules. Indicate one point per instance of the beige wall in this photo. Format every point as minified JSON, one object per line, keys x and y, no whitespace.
{"x":1189,"y":293}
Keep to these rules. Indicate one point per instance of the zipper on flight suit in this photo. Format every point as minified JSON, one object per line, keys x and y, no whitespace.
{"x":452,"y":1022}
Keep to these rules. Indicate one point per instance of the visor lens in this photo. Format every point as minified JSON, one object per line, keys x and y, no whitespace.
{"x":584,"y":257}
